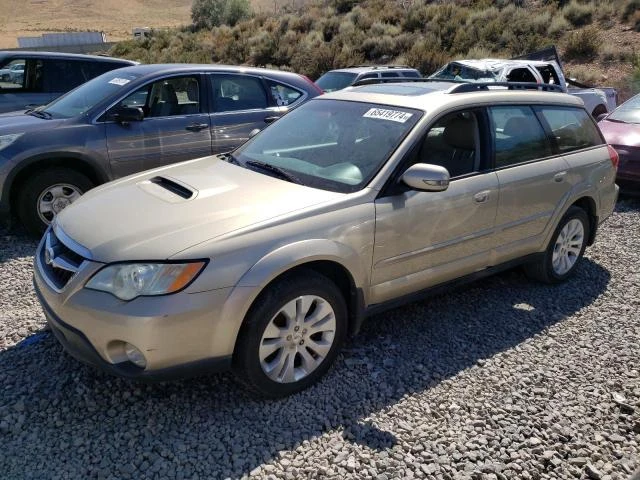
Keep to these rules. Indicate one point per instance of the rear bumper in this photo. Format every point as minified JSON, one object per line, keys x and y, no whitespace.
{"x":79,"y":347}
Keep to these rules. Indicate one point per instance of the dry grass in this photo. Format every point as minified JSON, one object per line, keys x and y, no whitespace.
{"x":115,"y":17}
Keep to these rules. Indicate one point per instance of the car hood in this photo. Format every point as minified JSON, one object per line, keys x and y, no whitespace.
{"x":145,"y":217}
{"x":616,"y":133}
{"x":19,"y":122}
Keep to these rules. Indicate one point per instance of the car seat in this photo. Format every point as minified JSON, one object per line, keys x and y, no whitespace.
{"x":165,"y":103}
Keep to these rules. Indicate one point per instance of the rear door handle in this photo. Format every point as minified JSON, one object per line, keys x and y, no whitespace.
{"x":559,"y":177}
{"x":196,"y":127}
{"x":481,"y":197}
{"x":271,"y":119}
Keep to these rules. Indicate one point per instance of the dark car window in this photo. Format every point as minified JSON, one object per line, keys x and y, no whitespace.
{"x":21,"y":75}
{"x":283,"y":95}
{"x":237,"y":92}
{"x":62,"y":75}
{"x":389,"y":74}
{"x":332,"y":81}
{"x":518,"y":135}
{"x":411,"y":74}
{"x":521,"y":75}
{"x":572,"y":128}
{"x":452,"y":143}
{"x":548,"y":74}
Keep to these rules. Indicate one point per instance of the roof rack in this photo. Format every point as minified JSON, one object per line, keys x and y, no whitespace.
{"x":373,"y":67}
{"x":466,"y":87}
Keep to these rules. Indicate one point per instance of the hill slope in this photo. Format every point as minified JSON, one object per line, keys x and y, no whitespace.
{"x":115,"y":17}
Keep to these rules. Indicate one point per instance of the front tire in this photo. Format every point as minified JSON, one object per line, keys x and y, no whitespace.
{"x":44,"y":195}
{"x":291,"y":335}
{"x":565,"y":249}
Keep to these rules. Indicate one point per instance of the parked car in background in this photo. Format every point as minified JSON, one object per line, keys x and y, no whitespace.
{"x":621,"y":129}
{"x":31,"y":79}
{"x":266,"y":258}
{"x":596,"y":101}
{"x":344,"y":77}
{"x":133,"y":119}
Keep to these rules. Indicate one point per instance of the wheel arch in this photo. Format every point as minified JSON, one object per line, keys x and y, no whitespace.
{"x":74,"y":161}
{"x":588,"y":204}
{"x":599,"y":110}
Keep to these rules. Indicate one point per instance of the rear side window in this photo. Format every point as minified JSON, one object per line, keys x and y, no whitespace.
{"x":521,"y":75}
{"x":411,"y":74}
{"x":518,"y":135}
{"x":283,"y":95}
{"x":237,"y":92}
{"x":572,"y":128}
{"x":548,"y":74}
{"x":389,"y":74}
{"x":63,"y":75}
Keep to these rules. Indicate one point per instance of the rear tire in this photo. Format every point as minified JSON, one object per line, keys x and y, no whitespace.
{"x":565,"y":249}
{"x":291,"y":335}
{"x":46,"y":193}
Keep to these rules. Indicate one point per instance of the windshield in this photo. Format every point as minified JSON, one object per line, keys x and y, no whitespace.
{"x":332,"y":81}
{"x":86,"y":96}
{"x":331,"y":144}
{"x":628,"y":112}
{"x":459,"y":72}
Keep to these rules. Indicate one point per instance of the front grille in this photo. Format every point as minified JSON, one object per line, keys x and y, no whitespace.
{"x":59,"y":262}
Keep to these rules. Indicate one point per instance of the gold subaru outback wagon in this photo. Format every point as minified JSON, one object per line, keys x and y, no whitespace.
{"x":263,"y":260}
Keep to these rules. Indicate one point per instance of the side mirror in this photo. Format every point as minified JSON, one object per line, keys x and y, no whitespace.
{"x":426,"y":178}
{"x":254,"y":132}
{"x":128,"y":114}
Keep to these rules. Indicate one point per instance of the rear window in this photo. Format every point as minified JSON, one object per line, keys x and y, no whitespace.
{"x":332,"y":81}
{"x":572,"y":128}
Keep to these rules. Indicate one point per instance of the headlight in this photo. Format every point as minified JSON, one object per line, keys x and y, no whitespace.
{"x":6,"y":140}
{"x":130,"y":280}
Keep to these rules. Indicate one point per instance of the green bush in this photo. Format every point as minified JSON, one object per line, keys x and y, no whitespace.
{"x":578,"y":14}
{"x":213,"y":13}
{"x":582,"y":45}
{"x":426,"y":56}
{"x":630,"y":8}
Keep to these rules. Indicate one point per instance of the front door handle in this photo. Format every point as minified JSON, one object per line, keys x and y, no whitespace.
{"x":196,"y":127}
{"x":559,"y":177}
{"x":271,"y":119}
{"x":481,"y":197}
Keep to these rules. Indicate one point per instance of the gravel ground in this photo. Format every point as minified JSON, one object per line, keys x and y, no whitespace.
{"x":502,"y":379}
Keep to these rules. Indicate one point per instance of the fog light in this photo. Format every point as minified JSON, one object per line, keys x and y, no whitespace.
{"x":135,"y":356}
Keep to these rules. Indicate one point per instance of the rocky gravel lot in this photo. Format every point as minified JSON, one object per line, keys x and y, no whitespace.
{"x":502,"y":379}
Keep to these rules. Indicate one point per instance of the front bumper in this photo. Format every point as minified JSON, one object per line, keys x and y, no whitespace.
{"x":175,"y":333}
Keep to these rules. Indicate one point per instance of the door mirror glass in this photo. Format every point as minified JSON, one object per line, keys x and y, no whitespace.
{"x":128,"y":114}
{"x":426,"y":178}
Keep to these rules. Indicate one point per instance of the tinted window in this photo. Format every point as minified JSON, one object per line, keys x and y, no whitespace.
{"x":63,"y":75}
{"x":518,"y":135}
{"x":411,"y":74}
{"x":572,"y":128}
{"x":237,"y":92}
{"x":453,"y":144}
{"x":331,"y":81}
{"x":389,"y":74}
{"x":332,"y":144}
{"x":282,"y":94}
{"x":521,"y":75}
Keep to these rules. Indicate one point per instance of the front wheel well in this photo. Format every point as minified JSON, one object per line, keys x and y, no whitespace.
{"x":589,"y":206}
{"x":599,"y":110}
{"x":78,"y":165}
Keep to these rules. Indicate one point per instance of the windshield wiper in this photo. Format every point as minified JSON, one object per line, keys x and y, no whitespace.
{"x":39,"y":113}
{"x":228,"y":157}
{"x":277,"y":170}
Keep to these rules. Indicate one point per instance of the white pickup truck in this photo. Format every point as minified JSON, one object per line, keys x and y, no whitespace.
{"x":596,"y":100}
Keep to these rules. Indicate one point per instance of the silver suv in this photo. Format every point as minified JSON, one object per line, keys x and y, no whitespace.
{"x":343,"y":77}
{"x":264,"y":260}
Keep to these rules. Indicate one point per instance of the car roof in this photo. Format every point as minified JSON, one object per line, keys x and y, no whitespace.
{"x":61,"y":55}
{"x":431,"y":96}
{"x":369,"y":68}
{"x":168,"y":68}
{"x":496,"y":63}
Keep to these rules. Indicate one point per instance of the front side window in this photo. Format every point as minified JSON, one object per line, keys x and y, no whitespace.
{"x":518,"y":135}
{"x":331,"y":144}
{"x":452,"y":143}
{"x":389,"y":74}
{"x":237,"y":92}
{"x":167,"y":98}
{"x":572,"y":128}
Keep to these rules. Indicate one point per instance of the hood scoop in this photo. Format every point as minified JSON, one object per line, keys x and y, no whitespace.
{"x":168,"y":189}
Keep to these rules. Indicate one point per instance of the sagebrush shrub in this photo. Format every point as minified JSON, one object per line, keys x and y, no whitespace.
{"x":583,"y":44}
{"x":578,"y":14}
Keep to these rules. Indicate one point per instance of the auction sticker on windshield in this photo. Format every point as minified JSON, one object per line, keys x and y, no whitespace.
{"x":119,"y":81}
{"x":384,"y":114}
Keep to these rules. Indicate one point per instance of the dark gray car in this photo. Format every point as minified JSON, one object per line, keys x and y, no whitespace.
{"x":30,"y":79}
{"x":129,"y":120}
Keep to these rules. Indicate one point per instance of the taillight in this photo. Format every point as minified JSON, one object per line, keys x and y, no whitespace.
{"x":613,"y":156}
{"x":313,"y":84}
